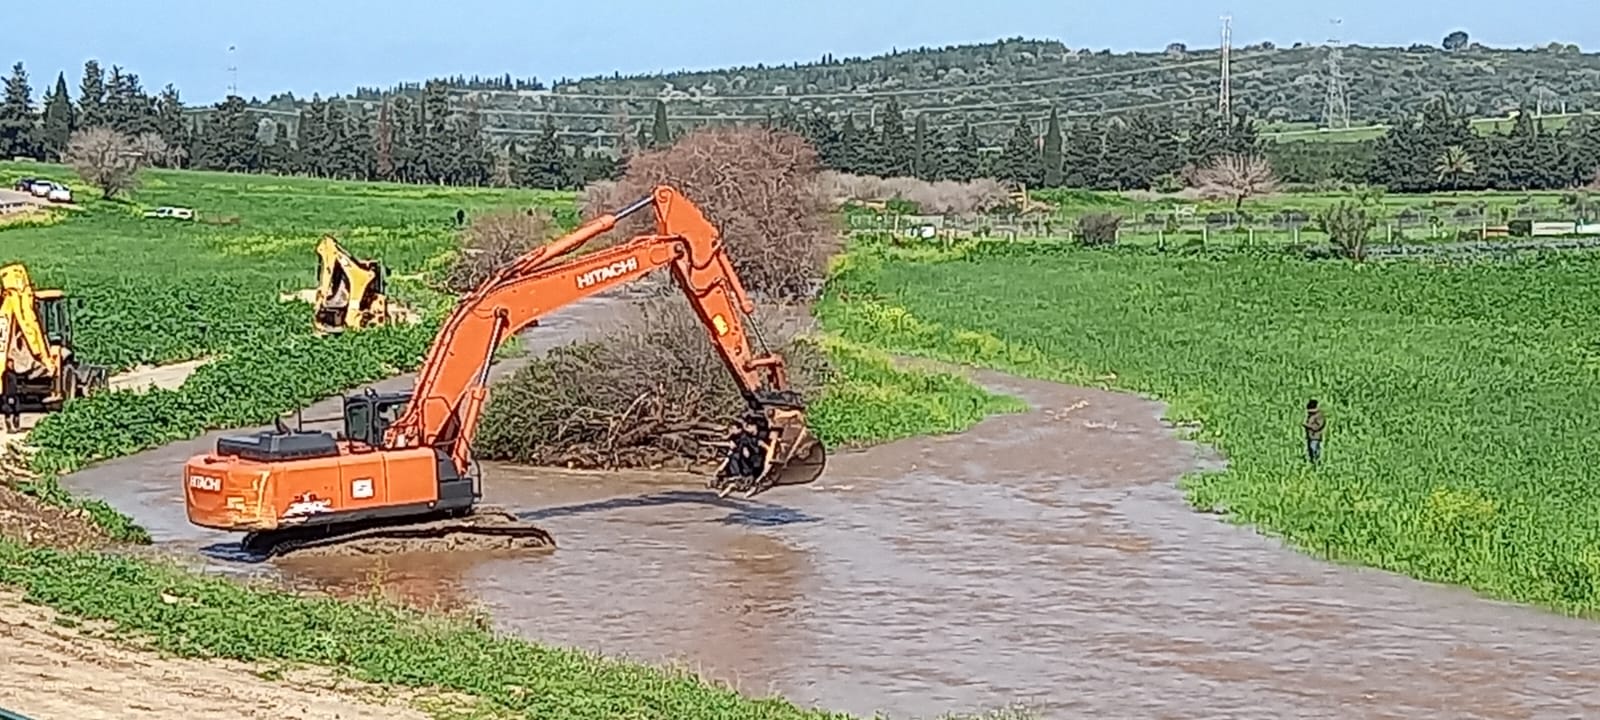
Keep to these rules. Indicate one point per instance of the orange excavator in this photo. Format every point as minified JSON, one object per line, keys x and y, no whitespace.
{"x":403,"y":465}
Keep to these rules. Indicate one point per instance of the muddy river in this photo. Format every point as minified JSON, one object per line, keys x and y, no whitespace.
{"x":1044,"y":559}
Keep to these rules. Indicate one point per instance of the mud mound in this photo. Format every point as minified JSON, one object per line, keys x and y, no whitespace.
{"x":487,"y":529}
{"x":448,"y":543}
{"x":32,"y":521}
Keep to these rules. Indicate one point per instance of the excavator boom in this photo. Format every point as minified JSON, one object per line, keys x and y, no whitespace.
{"x":408,"y":455}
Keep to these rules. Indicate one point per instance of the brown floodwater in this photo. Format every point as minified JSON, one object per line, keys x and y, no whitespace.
{"x":1044,"y":558}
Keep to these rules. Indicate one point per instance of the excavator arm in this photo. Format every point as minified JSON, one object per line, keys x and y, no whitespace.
{"x":452,"y":386}
{"x":18,"y":311}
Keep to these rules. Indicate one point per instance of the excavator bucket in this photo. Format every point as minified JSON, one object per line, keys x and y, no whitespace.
{"x":791,"y":455}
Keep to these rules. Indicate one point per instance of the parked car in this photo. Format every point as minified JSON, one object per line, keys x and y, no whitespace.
{"x":59,"y":193}
{"x":25,"y":184}
{"x":41,"y":188}
{"x":167,"y":211}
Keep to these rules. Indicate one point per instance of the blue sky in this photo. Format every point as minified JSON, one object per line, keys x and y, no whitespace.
{"x":334,"y":45}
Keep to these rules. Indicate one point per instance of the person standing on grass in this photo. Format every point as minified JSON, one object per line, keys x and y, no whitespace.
{"x":10,"y":404}
{"x":1314,"y":424}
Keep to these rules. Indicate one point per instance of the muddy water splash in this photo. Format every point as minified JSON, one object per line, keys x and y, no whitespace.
{"x":1043,"y":558}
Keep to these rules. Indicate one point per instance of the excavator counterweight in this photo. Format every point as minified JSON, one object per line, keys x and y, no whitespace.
{"x":403,"y":466}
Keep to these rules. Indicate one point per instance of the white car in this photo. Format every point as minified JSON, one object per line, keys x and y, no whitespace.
{"x":60,"y":193}
{"x":41,"y":188}
{"x":170,"y":212}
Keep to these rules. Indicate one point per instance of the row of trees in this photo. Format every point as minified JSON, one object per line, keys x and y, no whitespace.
{"x":431,"y":140}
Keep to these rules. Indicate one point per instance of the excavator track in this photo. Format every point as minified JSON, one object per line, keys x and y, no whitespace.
{"x":481,"y":523}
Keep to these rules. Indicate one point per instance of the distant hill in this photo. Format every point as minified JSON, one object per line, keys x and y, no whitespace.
{"x":990,"y":84}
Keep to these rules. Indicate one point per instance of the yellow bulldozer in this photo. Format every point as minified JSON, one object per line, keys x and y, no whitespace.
{"x":350,"y":292}
{"x":36,"y":330}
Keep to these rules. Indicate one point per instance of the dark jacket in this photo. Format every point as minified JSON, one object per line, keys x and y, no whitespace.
{"x":1314,"y":424}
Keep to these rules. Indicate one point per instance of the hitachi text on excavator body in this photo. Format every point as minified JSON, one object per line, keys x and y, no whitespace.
{"x":403,"y":463}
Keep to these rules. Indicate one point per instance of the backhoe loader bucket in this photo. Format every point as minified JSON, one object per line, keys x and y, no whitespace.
{"x":796,"y":458}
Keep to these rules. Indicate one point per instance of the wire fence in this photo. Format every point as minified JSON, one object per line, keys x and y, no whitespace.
{"x":1284,"y":227}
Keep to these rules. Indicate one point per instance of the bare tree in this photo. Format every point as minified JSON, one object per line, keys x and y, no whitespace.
{"x":108,"y":159}
{"x":156,"y":152}
{"x":494,"y":239}
{"x":1236,"y":176}
{"x":760,"y":186}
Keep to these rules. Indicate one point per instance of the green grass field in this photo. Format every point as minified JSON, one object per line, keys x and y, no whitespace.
{"x":1460,"y":397}
{"x":159,"y":291}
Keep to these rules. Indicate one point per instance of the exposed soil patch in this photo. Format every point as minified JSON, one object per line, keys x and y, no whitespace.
{"x":397,"y":312}
{"x":28,"y":519}
{"x":145,"y":377}
{"x":49,"y":670}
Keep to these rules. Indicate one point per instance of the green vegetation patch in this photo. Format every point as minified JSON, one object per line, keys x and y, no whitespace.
{"x":868,"y":400}
{"x":1460,"y":397}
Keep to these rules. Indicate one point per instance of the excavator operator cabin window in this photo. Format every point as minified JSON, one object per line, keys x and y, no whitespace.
{"x":51,"y":316}
{"x":387,"y":414}
{"x":358,"y":420}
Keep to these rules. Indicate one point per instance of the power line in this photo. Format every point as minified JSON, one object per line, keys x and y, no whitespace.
{"x":857,"y":95}
{"x":1335,"y":103}
{"x":1190,"y":86}
{"x":233,"y":70}
{"x":1224,"y":101}
{"x":931,"y":109}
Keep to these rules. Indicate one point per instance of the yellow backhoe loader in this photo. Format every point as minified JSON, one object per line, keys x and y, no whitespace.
{"x":36,"y":331}
{"x":350,"y":292}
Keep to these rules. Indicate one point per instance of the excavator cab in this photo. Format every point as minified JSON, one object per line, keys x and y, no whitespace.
{"x":350,"y":292}
{"x":369,"y":414}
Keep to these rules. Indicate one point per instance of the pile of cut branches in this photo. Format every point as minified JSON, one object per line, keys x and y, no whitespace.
{"x":654,"y":393}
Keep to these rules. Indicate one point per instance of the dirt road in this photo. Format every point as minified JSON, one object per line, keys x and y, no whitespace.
{"x":1044,"y":558}
{"x":140,"y":378}
{"x":52,"y":672}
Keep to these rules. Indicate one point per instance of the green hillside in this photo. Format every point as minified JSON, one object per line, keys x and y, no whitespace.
{"x":990,"y":84}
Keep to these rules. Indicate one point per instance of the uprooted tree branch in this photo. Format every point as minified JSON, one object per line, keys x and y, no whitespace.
{"x":653,"y":392}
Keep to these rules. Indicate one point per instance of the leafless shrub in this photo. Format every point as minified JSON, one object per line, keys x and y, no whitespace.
{"x":1100,"y":228}
{"x":939,"y":197}
{"x":758,"y":185}
{"x":155,"y":151}
{"x":653,"y":393}
{"x":107,"y":159}
{"x":494,"y":239}
{"x":1234,"y":177}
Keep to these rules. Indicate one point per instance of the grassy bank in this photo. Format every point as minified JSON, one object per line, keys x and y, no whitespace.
{"x":1459,"y":396}
{"x":177,"y":612}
